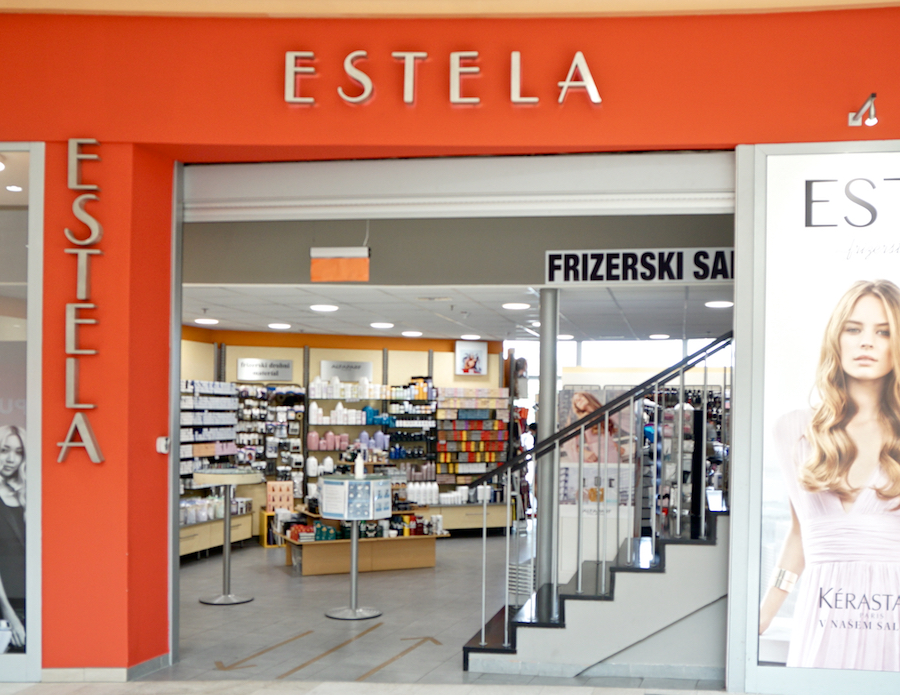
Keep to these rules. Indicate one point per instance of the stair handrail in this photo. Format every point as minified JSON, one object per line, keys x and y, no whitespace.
{"x":547,"y":445}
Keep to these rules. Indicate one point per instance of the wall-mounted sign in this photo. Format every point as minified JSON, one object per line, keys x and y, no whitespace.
{"x":346,"y":371}
{"x":471,"y":358}
{"x":299,"y":65}
{"x":254,"y":369}
{"x":638,"y":266}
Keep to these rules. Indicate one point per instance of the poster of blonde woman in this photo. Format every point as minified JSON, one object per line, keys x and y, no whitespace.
{"x":830,"y":542}
{"x":601,"y":450}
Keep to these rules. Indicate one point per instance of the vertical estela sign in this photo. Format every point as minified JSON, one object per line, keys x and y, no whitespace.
{"x":84,"y":241}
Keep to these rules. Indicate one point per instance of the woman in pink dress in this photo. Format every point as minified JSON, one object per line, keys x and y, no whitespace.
{"x":841,"y":464}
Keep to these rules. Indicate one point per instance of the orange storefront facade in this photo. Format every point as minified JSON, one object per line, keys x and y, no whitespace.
{"x":153,"y":91}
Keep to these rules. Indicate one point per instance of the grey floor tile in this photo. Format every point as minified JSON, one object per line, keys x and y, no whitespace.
{"x":613,"y":682}
{"x":550,"y":680}
{"x":669,"y":683}
{"x":711,"y":685}
{"x":503,"y":679}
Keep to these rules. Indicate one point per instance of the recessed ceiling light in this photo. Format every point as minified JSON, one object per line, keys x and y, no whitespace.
{"x":659,"y":336}
{"x":2,"y":162}
{"x":564,"y":336}
{"x":470,"y":336}
{"x":207,"y":322}
{"x":280,"y":326}
{"x":412,"y":334}
{"x":14,"y":189}
{"x":516,"y":306}
{"x":719,"y":305}
{"x":536,"y":324}
{"x":323,"y":307}
{"x":381,"y":324}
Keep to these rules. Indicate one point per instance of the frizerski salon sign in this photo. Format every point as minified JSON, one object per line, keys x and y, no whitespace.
{"x":638,"y":266}
{"x":300,"y":65}
{"x":78,"y":313}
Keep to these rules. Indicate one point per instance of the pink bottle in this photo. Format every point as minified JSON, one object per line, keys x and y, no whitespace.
{"x":312,"y":441}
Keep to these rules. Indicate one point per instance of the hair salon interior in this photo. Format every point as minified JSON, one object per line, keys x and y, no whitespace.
{"x":284,"y":286}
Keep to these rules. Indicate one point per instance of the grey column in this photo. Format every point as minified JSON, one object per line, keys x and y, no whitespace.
{"x":545,"y":475}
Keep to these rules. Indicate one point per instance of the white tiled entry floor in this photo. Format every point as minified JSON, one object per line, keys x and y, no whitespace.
{"x":283,"y":641}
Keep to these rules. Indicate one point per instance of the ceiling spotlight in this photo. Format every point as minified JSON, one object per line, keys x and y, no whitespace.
{"x":323,"y":307}
{"x":470,"y":336}
{"x":2,"y":162}
{"x":719,"y":304}
{"x":536,"y":324}
{"x":411,"y":334}
{"x":280,"y":326}
{"x":381,"y":324}
{"x":659,"y":336}
{"x":14,"y":189}
{"x":856,"y":119}
{"x":516,"y":306}
{"x":565,"y":336}
{"x":206,"y":322}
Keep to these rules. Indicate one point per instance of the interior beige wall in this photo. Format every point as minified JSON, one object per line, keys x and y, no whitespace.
{"x":198,"y":360}
{"x":403,"y":365}
{"x":235,"y":352}
{"x":376,"y":357}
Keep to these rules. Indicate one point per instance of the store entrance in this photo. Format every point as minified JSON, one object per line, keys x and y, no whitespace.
{"x":337,"y":365}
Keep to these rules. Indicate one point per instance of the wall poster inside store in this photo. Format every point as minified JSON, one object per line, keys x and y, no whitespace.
{"x":471,"y":358}
{"x":830,"y":541}
{"x":13,"y":262}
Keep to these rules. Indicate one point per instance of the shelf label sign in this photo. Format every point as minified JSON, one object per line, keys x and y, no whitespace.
{"x":346,"y":371}
{"x":254,"y":369}
{"x":639,"y":266}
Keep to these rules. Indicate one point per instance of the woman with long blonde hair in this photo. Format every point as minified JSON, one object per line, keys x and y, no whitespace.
{"x":841,"y":465}
{"x":12,"y":532}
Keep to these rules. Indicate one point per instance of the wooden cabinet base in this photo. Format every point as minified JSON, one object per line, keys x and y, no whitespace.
{"x":211,"y":534}
{"x":375,"y":554}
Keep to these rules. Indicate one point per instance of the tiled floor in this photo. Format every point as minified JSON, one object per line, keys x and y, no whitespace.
{"x":283,"y":641}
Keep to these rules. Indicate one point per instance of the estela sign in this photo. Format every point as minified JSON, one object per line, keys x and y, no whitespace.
{"x":301,"y":64}
{"x":83,"y":250}
{"x":253,"y":369}
{"x":638,"y":266}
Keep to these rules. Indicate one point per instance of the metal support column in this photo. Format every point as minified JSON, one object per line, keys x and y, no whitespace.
{"x":545,"y":490}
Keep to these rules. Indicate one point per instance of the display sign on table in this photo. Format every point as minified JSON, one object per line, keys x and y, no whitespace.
{"x":355,"y":499}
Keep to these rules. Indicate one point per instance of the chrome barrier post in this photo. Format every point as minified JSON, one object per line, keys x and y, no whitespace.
{"x":506,"y":590}
{"x":580,"y":534}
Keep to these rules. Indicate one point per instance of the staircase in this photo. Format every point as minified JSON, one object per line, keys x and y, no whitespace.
{"x":659,"y":611}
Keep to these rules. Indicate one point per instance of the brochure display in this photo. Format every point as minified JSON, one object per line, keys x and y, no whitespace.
{"x":350,"y":498}
{"x":227,"y":477}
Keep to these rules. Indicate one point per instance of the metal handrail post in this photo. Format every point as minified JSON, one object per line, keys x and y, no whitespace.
{"x":554,"y":566}
{"x":703,"y":482}
{"x":483,"y":564}
{"x":605,"y":504}
{"x":657,"y":475}
{"x":579,"y":553}
{"x":506,"y":590}
{"x":638,"y":506}
{"x":679,"y":467}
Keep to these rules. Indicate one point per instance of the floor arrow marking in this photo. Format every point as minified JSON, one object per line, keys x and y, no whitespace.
{"x":330,"y":651}
{"x":422,"y":640}
{"x":237,"y":664}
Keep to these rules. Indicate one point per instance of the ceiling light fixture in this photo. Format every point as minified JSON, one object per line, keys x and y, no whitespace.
{"x":323,"y":307}
{"x":381,"y":324}
{"x":206,"y":322}
{"x":470,"y":336}
{"x":411,"y":334}
{"x":14,"y":189}
{"x":719,"y":304}
{"x":2,"y":162}
{"x":536,"y":324}
{"x":565,"y":336}
{"x":280,"y":326}
{"x":516,"y":306}
{"x":856,"y":119}
{"x":659,"y":336}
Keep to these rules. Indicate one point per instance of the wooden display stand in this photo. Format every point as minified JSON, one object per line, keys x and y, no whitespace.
{"x":375,"y":554}
{"x":194,"y":538}
{"x":468,"y":516}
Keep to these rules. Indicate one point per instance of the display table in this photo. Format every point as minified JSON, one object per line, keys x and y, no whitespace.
{"x":375,"y":554}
